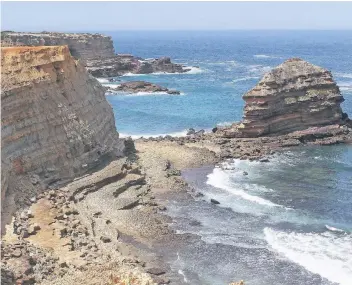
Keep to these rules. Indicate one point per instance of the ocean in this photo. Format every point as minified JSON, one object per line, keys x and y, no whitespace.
{"x":287,"y":222}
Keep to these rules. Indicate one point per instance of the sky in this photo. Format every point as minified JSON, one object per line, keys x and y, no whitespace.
{"x":112,"y":16}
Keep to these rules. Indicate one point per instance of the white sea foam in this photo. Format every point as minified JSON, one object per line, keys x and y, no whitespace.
{"x":111,"y":85}
{"x":193,"y":70}
{"x":183,"y":274}
{"x":345,"y":86}
{"x":325,"y":254}
{"x":130,"y":94}
{"x":135,"y":74}
{"x":344,"y":75}
{"x":258,"y":69}
{"x":220,"y":178}
{"x":103,"y":80}
{"x":175,"y":134}
{"x":264,"y":56}
{"x":224,"y":124}
{"x":333,"y":229}
{"x":227,"y":62}
{"x":245,"y":78}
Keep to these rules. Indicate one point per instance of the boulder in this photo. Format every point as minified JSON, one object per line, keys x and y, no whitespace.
{"x":215,"y":202}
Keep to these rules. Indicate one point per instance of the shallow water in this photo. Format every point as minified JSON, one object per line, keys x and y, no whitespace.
{"x":289,"y":221}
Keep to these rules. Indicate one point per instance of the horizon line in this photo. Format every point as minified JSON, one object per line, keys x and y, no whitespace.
{"x":174,"y":30}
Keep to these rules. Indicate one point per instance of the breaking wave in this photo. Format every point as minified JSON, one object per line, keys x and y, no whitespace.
{"x":221,"y":179}
{"x":265,"y":56}
{"x":333,"y":229}
{"x":103,"y":80}
{"x":326,"y":254}
{"x":344,"y":75}
{"x":137,"y":136}
{"x":224,"y":124}
{"x":245,"y":78}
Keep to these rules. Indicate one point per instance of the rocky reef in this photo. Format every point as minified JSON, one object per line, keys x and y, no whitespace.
{"x":96,"y":51}
{"x":141,"y":86}
{"x":56,"y":122}
{"x":121,"y":64}
{"x":294,"y":96}
{"x":81,"y":45}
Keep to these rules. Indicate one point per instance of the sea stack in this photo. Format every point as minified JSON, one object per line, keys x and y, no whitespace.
{"x":294,"y":96}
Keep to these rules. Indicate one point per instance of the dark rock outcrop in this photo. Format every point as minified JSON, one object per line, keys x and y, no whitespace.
{"x":122,"y":64}
{"x":142,"y":86}
{"x":294,"y":96}
{"x":95,"y":51}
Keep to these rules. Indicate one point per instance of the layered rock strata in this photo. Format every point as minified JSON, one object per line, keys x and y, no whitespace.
{"x":81,"y":46}
{"x":96,"y":51}
{"x":294,"y":96}
{"x":56,"y":122}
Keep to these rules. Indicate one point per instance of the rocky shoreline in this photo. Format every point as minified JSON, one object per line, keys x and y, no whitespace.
{"x":96,"y":52}
{"x":119,"y":65}
{"x":89,"y":207}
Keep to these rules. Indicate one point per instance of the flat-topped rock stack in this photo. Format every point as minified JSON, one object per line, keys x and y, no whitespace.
{"x":294,"y":96}
{"x":56,"y":122}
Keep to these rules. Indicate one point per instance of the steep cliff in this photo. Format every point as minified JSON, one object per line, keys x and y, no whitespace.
{"x":295,"y":95}
{"x":81,"y":46}
{"x":56,"y":122}
{"x":95,"y":51}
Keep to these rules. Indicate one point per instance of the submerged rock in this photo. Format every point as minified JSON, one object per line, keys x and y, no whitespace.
{"x":142,"y":86}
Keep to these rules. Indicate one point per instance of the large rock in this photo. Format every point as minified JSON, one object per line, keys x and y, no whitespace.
{"x":56,"y":121}
{"x":295,"y":95}
{"x":122,"y":64}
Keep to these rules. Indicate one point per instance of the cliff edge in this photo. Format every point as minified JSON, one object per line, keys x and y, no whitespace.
{"x":81,"y":45}
{"x":56,"y":122}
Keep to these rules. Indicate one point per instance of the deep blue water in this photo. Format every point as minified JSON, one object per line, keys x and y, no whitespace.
{"x":230,"y":62}
{"x":288,"y":222}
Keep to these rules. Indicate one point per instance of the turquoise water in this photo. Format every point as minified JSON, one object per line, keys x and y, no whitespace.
{"x":288,"y":222}
{"x":230,"y":64}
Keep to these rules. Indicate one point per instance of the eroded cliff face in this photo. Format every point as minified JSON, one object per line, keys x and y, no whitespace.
{"x":96,"y":52}
{"x":81,"y":46}
{"x":294,"y":96}
{"x":56,"y":122}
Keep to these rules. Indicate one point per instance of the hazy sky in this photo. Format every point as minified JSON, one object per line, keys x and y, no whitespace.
{"x":107,"y":16}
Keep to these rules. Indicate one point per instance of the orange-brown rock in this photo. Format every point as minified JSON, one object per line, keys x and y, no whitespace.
{"x":295,"y":95}
{"x":81,"y":45}
{"x":56,"y":121}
